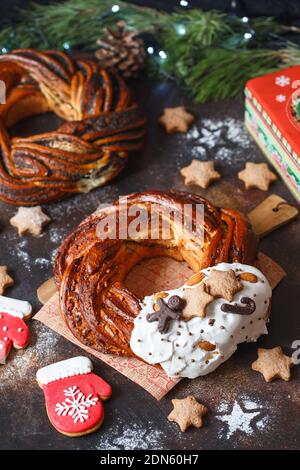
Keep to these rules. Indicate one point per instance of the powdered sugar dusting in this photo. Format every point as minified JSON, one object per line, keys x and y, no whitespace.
{"x":21,"y":365}
{"x":132,"y":437}
{"x":21,"y":252}
{"x":223,"y":140}
{"x":243,"y":416}
{"x":42,"y":262}
{"x":57,"y":235}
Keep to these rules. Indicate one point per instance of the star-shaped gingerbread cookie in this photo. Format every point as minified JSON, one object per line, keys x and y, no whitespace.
{"x":5,"y":279}
{"x":257,"y":175}
{"x":200,"y":173}
{"x":187,"y":412}
{"x":273,"y":364}
{"x":223,"y":284}
{"x":176,"y":119}
{"x":30,"y":220}
{"x":196,"y":299}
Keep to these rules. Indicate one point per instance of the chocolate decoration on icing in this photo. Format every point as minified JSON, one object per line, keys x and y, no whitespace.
{"x":167,"y":312}
{"x":175,"y":302}
{"x":248,"y":309}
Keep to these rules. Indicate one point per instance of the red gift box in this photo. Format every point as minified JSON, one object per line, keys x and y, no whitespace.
{"x":271,"y":118}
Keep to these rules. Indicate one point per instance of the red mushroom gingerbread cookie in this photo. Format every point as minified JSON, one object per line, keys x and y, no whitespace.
{"x":13,"y":329}
{"x":73,"y":396}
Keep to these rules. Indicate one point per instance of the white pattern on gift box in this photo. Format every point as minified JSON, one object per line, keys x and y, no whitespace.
{"x":77,"y":405}
{"x":280,"y":98}
{"x":282,"y":80}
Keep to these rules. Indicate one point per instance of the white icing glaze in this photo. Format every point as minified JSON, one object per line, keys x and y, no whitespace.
{"x":16,"y":308}
{"x":179,"y":354}
{"x":59,"y":370}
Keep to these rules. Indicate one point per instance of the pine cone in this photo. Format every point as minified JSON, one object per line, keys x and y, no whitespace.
{"x":121,"y":50}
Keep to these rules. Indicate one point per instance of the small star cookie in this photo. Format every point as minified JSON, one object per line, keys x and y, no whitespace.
{"x":187,"y":412}
{"x":223,"y":284}
{"x":176,"y":119}
{"x":197,"y":300}
{"x":30,"y":220}
{"x":5,"y":279}
{"x":257,"y":175}
{"x":200,"y":173}
{"x":273,"y":364}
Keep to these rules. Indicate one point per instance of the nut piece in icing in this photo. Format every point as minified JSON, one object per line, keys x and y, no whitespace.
{"x":195,"y":279}
{"x":249,"y":277}
{"x":207,"y":346}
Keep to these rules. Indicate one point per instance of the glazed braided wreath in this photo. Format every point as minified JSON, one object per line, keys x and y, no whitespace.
{"x":103,"y":126}
{"x":89,"y":270}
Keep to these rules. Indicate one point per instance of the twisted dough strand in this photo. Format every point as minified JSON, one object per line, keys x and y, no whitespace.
{"x":103,"y":126}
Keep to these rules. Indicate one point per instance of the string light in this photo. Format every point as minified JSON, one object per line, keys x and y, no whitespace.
{"x":4,"y":50}
{"x":162,"y":55}
{"x":66,"y":46}
{"x":248,"y":35}
{"x":245,"y":19}
{"x":181,"y":29}
{"x":150,"y":50}
{"x":115,"y":8}
{"x":184,"y":3}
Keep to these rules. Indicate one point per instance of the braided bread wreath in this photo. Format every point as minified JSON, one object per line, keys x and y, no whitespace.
{"x":103,"y":126}
{"x":101,"y":312}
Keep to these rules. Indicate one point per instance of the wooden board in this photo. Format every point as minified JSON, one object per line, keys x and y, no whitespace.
{"x":272,"y":213}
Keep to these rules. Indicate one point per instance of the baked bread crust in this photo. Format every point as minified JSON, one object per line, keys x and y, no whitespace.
{"x":89,"y":271}
{"x":103,"y":126}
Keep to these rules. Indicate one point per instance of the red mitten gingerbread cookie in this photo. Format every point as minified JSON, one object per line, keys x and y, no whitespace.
{"x":13,"y":329}
{"x":74,"y":396}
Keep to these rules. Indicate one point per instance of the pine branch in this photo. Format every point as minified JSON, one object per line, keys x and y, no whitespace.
{"x":210,"y":53}
{"x":199,"y":27}
{"x":290,"y":55}
{"x":223,"y":73}
{"x":78,"y":23}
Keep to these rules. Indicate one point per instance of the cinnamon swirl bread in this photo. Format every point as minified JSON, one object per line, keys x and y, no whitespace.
{"x":102,"y":126}
{"x":90,"y":267}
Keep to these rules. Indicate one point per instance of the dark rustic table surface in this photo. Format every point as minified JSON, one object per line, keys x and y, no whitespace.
{"x":244,"y":411}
